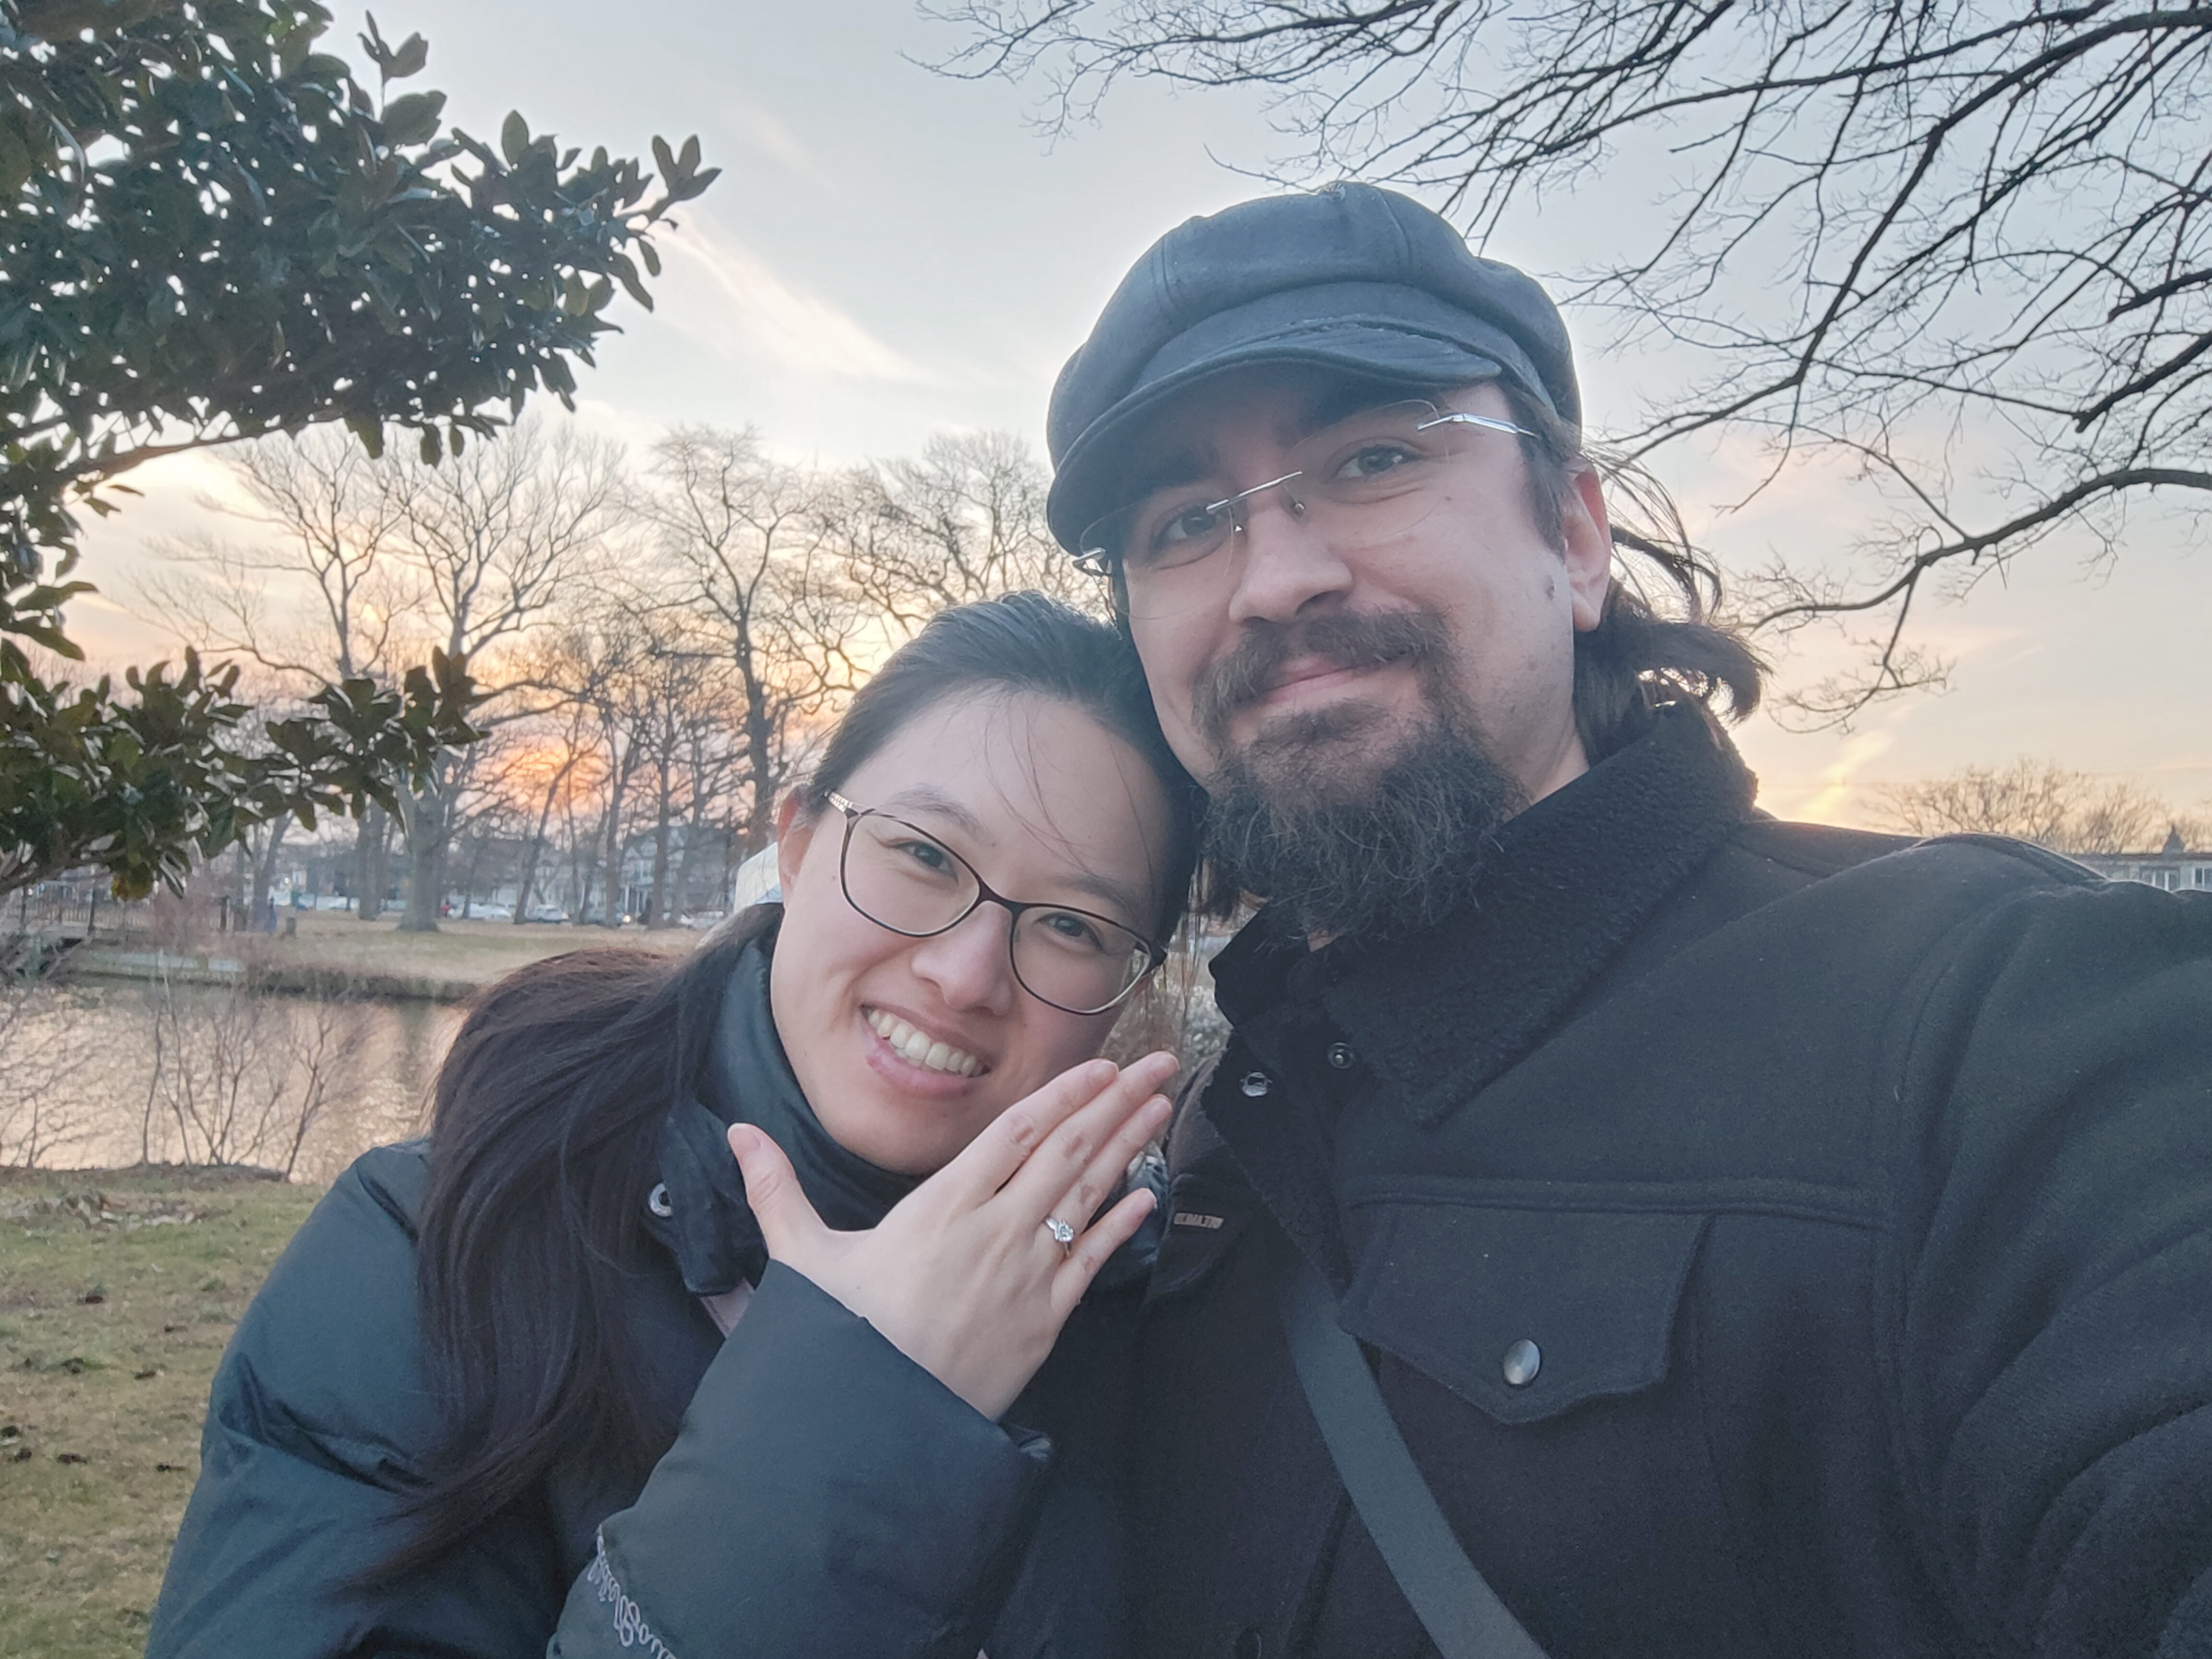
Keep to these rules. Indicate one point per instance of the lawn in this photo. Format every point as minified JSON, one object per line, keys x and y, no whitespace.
{"x":480,"y":950}
{"x":118,"y":1291}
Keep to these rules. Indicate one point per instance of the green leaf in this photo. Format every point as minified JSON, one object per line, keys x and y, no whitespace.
{"x":370,"y":431}
{"x":514,"y":137}
{"x":413,"y":120}
{"x":413,"y":54}
{"x":432,"y":453}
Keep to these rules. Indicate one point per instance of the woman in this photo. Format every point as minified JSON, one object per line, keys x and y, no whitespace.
{"x":485,"y":1402}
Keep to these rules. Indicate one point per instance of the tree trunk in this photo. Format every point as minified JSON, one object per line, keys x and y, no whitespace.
{"x":264,"y":876}
{"x":476,"y":869}
{"x":536,"y":849}
{"x":372,"y":849}
{"x":760,"y":736}
{"x":614,"y":857}
{"x":423,"y":820}
{"x":657,"y":907}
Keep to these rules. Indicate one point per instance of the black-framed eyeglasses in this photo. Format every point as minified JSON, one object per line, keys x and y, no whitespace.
{"x":904,"y":878}
{"x":1364,"y":479}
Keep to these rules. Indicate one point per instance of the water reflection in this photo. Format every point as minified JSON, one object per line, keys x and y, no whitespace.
{"x":97,"y":1073}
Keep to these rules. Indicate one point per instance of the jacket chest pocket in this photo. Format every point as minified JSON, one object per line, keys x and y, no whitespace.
{"x":1524,"y":1313}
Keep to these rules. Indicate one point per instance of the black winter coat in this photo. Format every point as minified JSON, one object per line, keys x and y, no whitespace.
{"x":1856,"y":1196}
{"x":825,"y":1498}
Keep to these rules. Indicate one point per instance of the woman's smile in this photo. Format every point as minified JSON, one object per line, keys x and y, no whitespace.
{"x":916,"y":1046}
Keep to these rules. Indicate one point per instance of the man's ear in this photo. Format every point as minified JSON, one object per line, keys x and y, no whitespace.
{"x":794,"y":831}
{"x":1586,"y":547}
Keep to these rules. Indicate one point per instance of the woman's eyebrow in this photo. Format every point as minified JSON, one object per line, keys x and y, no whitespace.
{"x":1107,"y":891}
{"x":922,"y":796}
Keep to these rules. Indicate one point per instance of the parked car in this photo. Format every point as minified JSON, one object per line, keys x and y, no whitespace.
{"x":546,"y":912}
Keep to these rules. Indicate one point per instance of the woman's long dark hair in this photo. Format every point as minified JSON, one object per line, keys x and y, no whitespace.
{"x":546,"y":1125}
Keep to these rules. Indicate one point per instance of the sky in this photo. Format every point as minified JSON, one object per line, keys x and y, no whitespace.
{"x":891,"y":253}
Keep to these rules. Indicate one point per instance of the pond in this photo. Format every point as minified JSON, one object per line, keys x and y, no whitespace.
{"x":102,"y":1073}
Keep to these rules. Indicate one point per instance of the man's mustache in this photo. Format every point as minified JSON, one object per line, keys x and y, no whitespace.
{"x":1344,"y":639}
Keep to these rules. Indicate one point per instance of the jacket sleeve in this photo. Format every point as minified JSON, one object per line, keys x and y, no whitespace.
{"x":826,"y":1497}
{"x":2053,"y":1282}
{"x":314,"y":1426}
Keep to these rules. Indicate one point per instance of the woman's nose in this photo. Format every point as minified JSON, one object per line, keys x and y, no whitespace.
{"x":968,"y":964}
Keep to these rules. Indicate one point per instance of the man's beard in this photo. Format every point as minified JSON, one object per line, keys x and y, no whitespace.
{"x":1304,"y":817}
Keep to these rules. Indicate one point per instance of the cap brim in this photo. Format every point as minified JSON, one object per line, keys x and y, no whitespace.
{"x":1082,"y":489}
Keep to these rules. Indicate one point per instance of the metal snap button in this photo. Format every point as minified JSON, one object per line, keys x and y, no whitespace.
{"x":657,"y":1201}
{"x":1256,"y":1083}
{"x":1340,"y":1056}
{"x":1249,"y":1644}
{"x":1523,"y":1361}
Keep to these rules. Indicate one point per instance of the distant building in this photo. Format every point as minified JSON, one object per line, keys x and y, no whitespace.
{"x":2175,"y":867}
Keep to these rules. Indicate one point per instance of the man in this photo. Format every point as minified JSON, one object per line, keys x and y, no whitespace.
{"x":1770,"y":1240}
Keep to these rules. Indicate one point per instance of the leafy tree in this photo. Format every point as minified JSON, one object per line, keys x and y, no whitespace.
{"x":213,"y":230}
{"x":1964,"y":243}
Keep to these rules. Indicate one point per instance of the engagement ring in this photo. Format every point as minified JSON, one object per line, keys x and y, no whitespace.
{"x":1062,"y":1234}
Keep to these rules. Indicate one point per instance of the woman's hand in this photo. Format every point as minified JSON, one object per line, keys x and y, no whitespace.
{"x":962,"y":1276}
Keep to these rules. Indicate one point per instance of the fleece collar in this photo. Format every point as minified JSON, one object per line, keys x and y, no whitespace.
{"x":1437,"y":1016}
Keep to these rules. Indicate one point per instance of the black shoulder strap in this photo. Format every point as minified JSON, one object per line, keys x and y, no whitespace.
{"x":1459,"y":1611}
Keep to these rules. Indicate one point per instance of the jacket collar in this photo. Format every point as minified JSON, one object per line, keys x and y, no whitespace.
{"x":700,"y":1210}
{"x":1437,"y":1016}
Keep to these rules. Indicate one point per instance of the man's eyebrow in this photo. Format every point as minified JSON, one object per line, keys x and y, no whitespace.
{"x":1171,"y":472}
{"x":1196,"y":462}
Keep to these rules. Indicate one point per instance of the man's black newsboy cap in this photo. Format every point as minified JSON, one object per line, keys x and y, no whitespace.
{"x":1351,"y":277}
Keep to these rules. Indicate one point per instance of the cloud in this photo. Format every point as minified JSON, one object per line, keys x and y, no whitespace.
{"x":775,"y":141}
{"x":1829,"y":804}
{"x":756,"y":313}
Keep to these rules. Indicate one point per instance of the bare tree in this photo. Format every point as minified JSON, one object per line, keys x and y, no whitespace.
{"x":312,"y":599}
{"x":744,"y":540}
{"x":241,"y":1075}
{"x":1967,"y":247}
{"x":2034,"y":801}
{"x":497,"y":535}
{"x":43,"y":1046}
{"x":964,"y":522}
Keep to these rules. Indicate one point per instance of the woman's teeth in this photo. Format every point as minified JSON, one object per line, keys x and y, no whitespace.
{"x":919,"y":1048}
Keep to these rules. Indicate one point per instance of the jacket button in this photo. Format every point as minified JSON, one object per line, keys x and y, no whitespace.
{"x":657,"y":1201}
{"x":1523,"y":1361}
{"x":1255,"y":1083}
{"x":1340,"y":1056}
{"x":1249,"y":1645}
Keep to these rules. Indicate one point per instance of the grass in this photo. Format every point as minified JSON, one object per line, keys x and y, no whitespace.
{"x":118,"y":1291}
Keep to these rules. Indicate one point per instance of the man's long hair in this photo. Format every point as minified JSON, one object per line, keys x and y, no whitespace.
{"x":1637,"y":657}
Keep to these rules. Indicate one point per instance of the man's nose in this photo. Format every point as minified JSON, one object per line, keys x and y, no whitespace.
{"x":968,"y":964}
{"x":1286,"y":566}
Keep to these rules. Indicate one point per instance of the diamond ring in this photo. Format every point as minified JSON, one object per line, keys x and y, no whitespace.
{"x":1062,"y":1234}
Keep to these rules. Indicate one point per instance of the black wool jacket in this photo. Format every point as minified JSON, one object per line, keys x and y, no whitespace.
{"x":1854,"y":1196}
